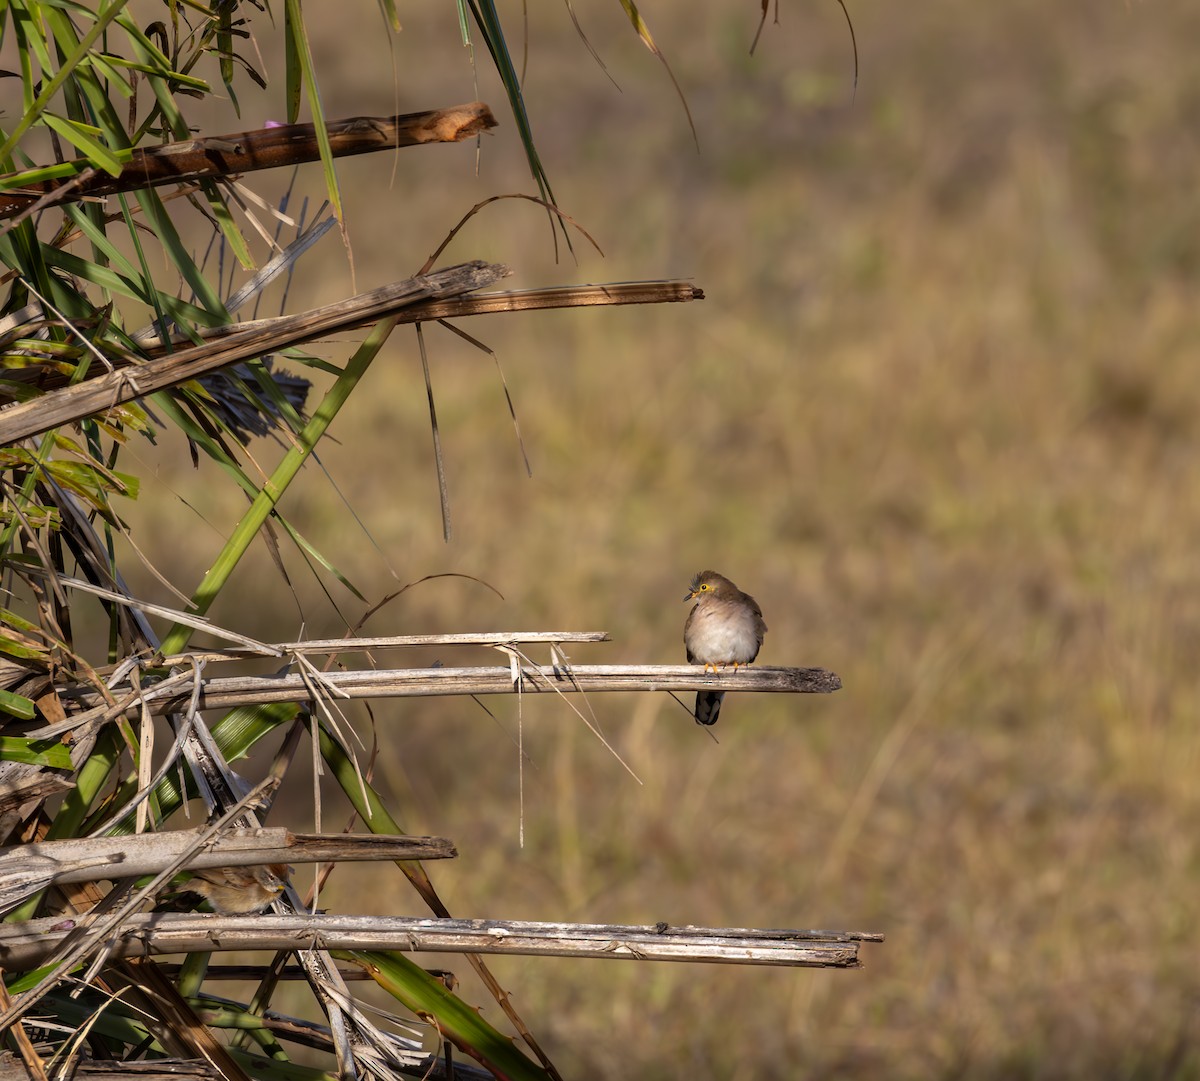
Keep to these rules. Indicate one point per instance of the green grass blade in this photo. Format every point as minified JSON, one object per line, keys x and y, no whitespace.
{"x":300,"y":54}
{"x":388,"y":7}
{"x":163,"y":227}
{"x":52,"y":752}
{"x":91,"y":148}
{"x":33,"y":112}
{"x":488,"y":20}
{"x":17,"y":705}
{"x":229,"y":228}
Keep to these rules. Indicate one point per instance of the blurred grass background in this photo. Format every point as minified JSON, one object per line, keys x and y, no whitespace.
{"x":938,"y":414}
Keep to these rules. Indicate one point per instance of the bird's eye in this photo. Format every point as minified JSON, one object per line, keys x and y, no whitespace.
{"x":703,"y":587}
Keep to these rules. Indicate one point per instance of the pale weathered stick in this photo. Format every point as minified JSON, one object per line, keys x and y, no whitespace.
{"x":227,"y":692}
{"x":255,"y":973}
{"x":395,"y":641}
{"x":86,"y":859}
{"x":23,"y":945}
{"x":470,"y":638}
{"x":159,"y":1069}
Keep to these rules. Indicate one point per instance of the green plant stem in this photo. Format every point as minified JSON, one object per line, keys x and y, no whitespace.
{"x":263,"y":505}
{"x":375,"y":816}
{"x":429,"y":998}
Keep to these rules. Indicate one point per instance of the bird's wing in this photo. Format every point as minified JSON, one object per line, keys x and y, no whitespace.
{"x":759,"y":623}
{"x":760,"y":626}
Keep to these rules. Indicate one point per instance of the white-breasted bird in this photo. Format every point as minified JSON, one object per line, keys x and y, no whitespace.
{"x":725,"y":626}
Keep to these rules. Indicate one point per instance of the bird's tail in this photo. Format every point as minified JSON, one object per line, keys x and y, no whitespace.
{"x":708,"y":706}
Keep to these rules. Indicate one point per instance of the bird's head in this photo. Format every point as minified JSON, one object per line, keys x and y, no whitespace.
{"x":709,"y":584}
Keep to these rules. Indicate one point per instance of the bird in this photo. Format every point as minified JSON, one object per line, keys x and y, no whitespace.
{"x":725,"y":626}
{"x":236,"y":891}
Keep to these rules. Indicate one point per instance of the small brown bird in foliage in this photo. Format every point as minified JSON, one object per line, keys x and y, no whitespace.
{"x":725,"y":626}
{"x":235,"y":891}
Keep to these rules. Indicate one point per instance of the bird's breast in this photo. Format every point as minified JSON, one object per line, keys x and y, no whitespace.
{"x":714,"y":636}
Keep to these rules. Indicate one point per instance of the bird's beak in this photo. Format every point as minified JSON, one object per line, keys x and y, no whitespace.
{"x":690,"y":595}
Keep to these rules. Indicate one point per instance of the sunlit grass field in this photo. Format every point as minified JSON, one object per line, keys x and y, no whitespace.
{"x":938,"y":413}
